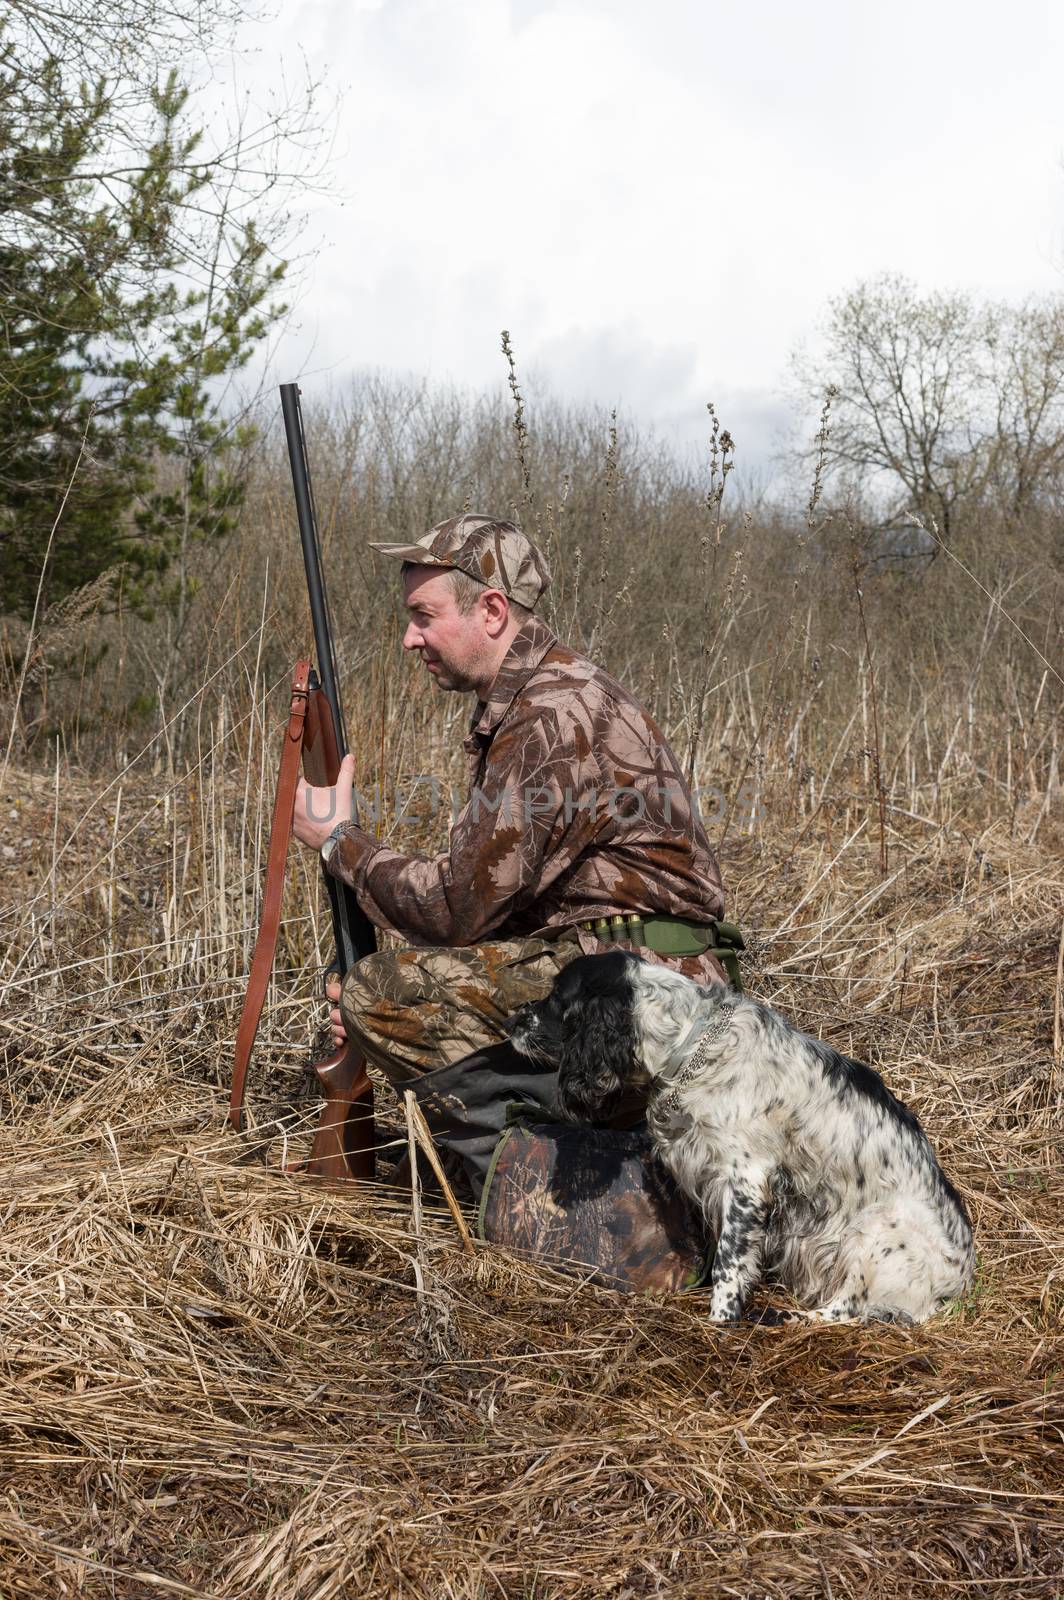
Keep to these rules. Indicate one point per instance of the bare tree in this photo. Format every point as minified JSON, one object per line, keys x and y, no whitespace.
{"x":908,"y":372}
{"x":1024,"y":348}
{"x":942,"y":403}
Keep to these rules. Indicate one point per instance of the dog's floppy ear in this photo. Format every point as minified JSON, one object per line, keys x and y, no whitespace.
{"x":597,"y":1057}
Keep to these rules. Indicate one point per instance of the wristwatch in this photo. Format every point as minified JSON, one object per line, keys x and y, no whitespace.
{"x":332,"y":841}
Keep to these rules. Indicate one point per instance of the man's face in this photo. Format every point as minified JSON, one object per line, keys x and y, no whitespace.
{"x":456,"y":649}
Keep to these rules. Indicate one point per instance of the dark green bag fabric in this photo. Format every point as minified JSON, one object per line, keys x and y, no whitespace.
{"x":596,"y":1202}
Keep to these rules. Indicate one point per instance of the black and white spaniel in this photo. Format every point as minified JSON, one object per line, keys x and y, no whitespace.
{"x":805,"y":1165}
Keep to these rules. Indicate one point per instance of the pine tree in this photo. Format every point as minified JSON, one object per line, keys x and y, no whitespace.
{"x":134,"y":280}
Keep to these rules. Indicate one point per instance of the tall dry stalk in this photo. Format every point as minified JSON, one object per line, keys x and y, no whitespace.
{"x":31,"y":635}
{"x":522,"y":442}
{"x":721,"y":454}
{"x":877,"y":749}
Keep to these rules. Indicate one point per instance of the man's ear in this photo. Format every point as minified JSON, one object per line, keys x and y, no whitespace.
{"x":495,"y":609}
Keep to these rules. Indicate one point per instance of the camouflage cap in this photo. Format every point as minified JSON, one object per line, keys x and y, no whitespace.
{"x":496,"y":553}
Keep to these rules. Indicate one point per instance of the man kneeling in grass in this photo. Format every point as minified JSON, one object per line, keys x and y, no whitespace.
{"x":579,"y":831}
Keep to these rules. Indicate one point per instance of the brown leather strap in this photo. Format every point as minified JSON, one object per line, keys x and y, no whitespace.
{"x":270,"y":919}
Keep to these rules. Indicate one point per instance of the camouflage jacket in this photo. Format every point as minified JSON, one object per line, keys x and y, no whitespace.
{"x":577,"y":809}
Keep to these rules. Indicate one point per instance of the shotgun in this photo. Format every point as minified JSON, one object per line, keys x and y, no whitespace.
{"x":344,"y":1141}
{"x":347,"y":1117}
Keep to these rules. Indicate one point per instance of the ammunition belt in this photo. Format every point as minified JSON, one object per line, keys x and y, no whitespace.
{"x":674,"y":936}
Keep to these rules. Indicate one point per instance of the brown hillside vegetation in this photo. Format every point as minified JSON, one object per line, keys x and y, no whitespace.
{"x":219,"y":1381}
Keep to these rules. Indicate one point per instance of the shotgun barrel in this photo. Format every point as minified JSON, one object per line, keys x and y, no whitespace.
{"x":354,"y":934}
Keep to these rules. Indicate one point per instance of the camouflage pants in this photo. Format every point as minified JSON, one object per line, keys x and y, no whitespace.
{"x":431,"y":1020}
{"x":414,"y":1011}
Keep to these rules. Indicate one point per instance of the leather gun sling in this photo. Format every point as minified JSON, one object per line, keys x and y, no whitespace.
{"x":270,"y":920}
{"x":345,"y":1139}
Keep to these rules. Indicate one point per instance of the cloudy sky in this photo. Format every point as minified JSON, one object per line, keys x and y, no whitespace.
{"x":658,"y":197}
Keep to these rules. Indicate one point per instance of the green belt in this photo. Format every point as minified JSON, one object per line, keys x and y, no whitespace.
{"x":673,"y":936}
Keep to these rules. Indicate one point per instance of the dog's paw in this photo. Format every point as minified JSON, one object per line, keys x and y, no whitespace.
{"x":759,"y":1316}
{"x":769,"y":1316}
{"x":725,"y":1308}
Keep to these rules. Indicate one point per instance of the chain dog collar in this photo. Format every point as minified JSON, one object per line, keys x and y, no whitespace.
{"x":697,"y":1059}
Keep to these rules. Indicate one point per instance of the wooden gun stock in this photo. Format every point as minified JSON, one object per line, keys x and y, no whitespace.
{"x":346,"y":1135}
{"x":345,"y":1139}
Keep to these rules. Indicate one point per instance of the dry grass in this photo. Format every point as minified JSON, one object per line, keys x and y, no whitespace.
{"x":217,"y":1381}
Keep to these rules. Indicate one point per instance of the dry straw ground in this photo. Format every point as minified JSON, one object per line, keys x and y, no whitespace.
{"x":217,"y":1381}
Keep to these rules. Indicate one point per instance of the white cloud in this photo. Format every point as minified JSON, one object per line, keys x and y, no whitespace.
{"x":658,"y":200}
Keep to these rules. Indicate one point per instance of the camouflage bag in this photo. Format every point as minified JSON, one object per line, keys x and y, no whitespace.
{"x":593,"y":1201}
